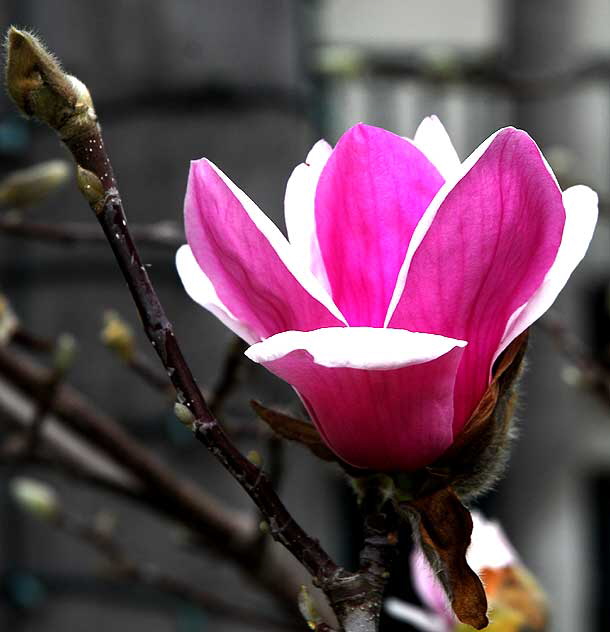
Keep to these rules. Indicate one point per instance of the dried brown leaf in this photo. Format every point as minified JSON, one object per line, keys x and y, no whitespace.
{"x":445,"y":528}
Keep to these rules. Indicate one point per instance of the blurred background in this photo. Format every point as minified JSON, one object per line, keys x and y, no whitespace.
{"x":252,"y":85}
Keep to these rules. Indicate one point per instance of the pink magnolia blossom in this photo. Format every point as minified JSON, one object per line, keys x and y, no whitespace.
{"x":404,"y":276}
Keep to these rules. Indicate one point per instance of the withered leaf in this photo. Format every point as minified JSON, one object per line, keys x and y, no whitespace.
{"x":445,"y":528}
{"x":294,"y":430}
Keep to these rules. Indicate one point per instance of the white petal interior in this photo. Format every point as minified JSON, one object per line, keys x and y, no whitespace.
{"x":299,"y":210}
{"x":432,"y":139}
{"x":367,"y":348}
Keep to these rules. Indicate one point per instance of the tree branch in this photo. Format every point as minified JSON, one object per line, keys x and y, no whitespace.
{"x":229,"y":533}
{"x":164,"y":235}
{"x":124,"y":566}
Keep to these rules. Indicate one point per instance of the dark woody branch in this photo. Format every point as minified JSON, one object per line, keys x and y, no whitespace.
{"x":43,"y":503}
{"x":78,"y":429}
{"x":41,"y":89}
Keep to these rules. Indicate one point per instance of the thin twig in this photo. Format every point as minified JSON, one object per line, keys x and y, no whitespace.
{"x":228,"y":375}
{"x":160,"y":489}
{"x":161,"y":235}
{"x":97,"y":181}
{"x":64,"y":351}
{"x":595,"y":375}
{"x":141,"y":365}
{"x":107,"y":545}
{"x":28,"y":340}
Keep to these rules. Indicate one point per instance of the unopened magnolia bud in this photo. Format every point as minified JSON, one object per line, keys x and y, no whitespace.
{"x":28,"y":186}
{"x":8,"y":321}
{"x":65,"y":352}
{"x":255,"y":458}
{"x":91,"y":187}
{"x":40,"y":87}
{"x":307,"y":608}
{"x":34,"y":497}
{"x":184,"y":414}
{"x":118,"y":335}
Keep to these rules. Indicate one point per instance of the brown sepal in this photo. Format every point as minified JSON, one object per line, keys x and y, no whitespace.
{"x":479,"y":452}
{"x":445,"y":527}
{"x":469,"y":466}
{"x":294,"y":430}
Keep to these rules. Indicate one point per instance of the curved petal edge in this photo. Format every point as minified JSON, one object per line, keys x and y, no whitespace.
{"x":381,"y":399}
{"x":580,"y":203}
{"x":199,"y":287}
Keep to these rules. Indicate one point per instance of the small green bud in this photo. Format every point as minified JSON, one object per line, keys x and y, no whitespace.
{"x":91,"y":187}
{"x":263,"y":526}
{"x":40,"y":87}
{"x":118,"y":335}
{"x":65,"y":352}
{"x":307,"y":608}
{"x":184,"y":414}
{"x":34,"y":497}
{"x":8,"y":321}
{"x":31,"y":185}
{"x":254,"y":457}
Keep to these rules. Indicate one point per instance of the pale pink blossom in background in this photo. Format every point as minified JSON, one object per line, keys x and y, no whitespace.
{"x":489,"y":550}
{"x":404,"y":276}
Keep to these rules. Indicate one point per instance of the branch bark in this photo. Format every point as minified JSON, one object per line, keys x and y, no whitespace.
{"x":151,"y":482}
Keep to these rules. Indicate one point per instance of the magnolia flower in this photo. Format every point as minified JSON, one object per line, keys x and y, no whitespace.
{"x":515,"y":600}
{"x":404,"y":276}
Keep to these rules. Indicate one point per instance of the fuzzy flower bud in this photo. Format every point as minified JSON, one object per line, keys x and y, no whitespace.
{"x":34,"y":497}
{"x":41,"y":89}
{"x":31,"y":185}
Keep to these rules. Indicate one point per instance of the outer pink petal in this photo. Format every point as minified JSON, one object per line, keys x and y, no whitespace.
{"x":370,"y":197}
{"x":432,"y":138}
{"x":580,"y":204}
{"x":249,"y":262}
{"x":492,"y":238}
{"x":381,"y":398}
{"x":300,"y":213}
{"x":201,"y":290}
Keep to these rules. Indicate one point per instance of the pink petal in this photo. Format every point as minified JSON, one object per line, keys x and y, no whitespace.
{"x":580,"y":204}
{"x":430,"y":590}
{"x":248,"y":261}
{"x":490,"y":240}
{"x":489,"y":548}
{"x":381,"y":398}
{"x":299,"y":210}
{"x":432,"y":138}
{"x":370,"y":196}
{"x":201,"y":290}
